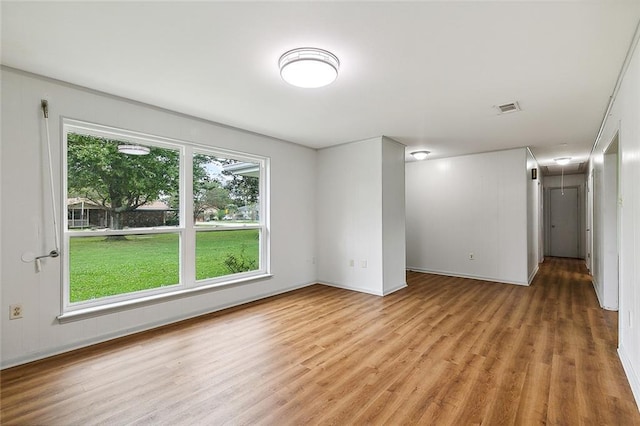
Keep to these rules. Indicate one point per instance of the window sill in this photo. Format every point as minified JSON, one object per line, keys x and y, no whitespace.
{"x":110,"y":308}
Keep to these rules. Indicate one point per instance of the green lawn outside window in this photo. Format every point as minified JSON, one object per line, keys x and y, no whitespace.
{"x":101,"y":267}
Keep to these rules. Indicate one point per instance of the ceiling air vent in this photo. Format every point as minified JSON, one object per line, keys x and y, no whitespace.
{"x":507,"y":108}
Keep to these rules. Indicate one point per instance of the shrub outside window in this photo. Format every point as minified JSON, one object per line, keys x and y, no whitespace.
{"x":147,"y":215}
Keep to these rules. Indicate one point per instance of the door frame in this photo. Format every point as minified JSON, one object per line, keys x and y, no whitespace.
{"x":611,"y":224}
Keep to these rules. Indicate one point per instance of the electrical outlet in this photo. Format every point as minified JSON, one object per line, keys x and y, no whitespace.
{"x":15,"y":312}
{"x":351,"y":263}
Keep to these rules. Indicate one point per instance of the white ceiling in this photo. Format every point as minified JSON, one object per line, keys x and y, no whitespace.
{"x":427,"y":74}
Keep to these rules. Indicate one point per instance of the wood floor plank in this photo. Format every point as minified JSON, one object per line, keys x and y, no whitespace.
{"x":444,"y":350}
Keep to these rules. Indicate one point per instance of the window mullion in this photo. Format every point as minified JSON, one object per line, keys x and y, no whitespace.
{"x":188,"y":244}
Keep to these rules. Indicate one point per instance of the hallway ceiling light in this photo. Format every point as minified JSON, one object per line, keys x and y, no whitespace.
{"x":309,"y":67}
{"x":420,"y":155}
{"x":133,"y":149}
{"x":562,"y":161}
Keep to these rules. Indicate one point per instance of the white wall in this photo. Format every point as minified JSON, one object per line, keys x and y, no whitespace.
{"x":623,"y":119}
{"x":26,"y":218}
{"x":573,"y":180}
{"x":589,"y":221}
{"x":605,"y":231}
{"x":473,"y":204}
{"x":358,"y":238}
{"x":393,"y":216}
{"x":608,"y":233}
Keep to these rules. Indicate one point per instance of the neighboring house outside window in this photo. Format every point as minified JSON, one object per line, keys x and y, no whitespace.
{"x":84,"y":213}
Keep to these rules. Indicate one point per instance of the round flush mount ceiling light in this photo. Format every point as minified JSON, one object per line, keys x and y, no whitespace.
{"x":420,"y":155}
{"x":562,"y":161}
{"x":133,"y":149}
{"x":309,"y":67}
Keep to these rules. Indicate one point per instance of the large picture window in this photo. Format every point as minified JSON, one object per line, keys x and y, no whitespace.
{"x":148,"y":216}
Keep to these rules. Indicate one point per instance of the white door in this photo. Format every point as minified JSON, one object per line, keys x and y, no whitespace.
{"x":564,"y":222}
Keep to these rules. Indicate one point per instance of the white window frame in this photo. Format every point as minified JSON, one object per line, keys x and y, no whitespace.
{"x":262,"y":212}
{"x":186,"y":229}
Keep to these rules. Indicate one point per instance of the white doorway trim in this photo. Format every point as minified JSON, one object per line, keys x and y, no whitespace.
{"x":611,"y":225}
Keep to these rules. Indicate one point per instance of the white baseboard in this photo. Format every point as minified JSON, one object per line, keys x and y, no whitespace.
{"x":396,"y":288}
{"x":595,"y":289}
{"x":35,"y":356}
{"x":351,"y":288}
{"x":533,"y":274}
{"x":631,"y":375}
{"x":364,"y":290}
{"x":459,"y":275}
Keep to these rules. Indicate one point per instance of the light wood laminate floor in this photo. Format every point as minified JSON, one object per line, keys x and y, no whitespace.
{"x":444,"y":351}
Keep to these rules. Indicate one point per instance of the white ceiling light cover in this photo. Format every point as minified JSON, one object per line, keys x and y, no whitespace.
{"x":133,"y":149}
{"x":420,"y":155}
{"x":309,"y":67}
